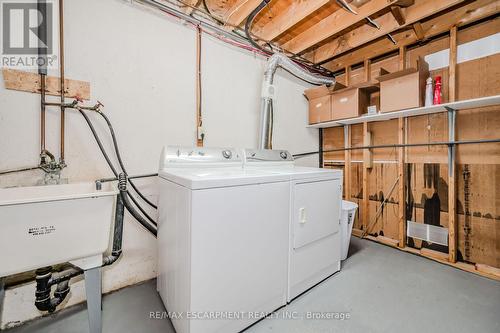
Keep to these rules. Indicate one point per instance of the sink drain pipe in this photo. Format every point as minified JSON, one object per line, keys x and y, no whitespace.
{"x":45,"y":278}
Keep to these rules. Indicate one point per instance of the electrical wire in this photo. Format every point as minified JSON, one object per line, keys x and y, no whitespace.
{"x":234,"y":35}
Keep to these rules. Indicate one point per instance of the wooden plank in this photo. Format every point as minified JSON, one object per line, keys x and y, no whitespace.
{"x":488,"y":269}
{"x":452,"y":189}
{"x":419,"y":31}
{"x":401,"y":184}
{"x":365,"y":33}
{"x":398,"y":15}
{"x":453,"y":65}
{"x":461,"y":16}
{"x":347,"y":164}
{"x":239,"y":12}
{"x":365,"y":182}
{"x":402,"y":58}
{"x":296,"y":12}
{"x":434,"y":254}
{"x":357,"y":232}
{"x":333,"y":24}
{"x":347,"y":75}
{"x":30,"y":82}
{"x":187,"y":6}
{"x":367,"y":69}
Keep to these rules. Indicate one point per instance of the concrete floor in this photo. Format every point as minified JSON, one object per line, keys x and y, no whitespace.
{"x":382,"y":289}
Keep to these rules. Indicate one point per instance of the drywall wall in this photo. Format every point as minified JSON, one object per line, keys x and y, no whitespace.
{"x":141,"y":65}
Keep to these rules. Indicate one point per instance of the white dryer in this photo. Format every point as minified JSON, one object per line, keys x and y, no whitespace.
{"x":222,"y":240}
{"x":315,"y":206}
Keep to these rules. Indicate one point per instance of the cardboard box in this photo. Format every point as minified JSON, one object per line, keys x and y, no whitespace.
{"x":403,"y":89}
{"x":320,"y":102}
{"x":353,"y":101}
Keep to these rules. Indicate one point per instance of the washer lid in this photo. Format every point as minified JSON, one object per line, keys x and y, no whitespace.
{"x":201,"y":178}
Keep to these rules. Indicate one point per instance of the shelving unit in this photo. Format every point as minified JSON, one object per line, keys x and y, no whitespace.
{"x":456,"y":106}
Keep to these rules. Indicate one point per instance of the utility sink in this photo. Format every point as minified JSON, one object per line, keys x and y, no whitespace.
{"x":46,"y":225}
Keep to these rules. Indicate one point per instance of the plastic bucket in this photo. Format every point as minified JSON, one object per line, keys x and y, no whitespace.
{"x":347,"y":217}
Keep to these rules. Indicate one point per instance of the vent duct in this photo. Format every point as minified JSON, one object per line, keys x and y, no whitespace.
{"x":266,"y":115}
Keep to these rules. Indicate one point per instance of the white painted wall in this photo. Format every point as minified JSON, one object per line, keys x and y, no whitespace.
{"x":141,"y":65}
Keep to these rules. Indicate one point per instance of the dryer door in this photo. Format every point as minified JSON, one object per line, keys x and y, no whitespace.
{"x":316,"y":210}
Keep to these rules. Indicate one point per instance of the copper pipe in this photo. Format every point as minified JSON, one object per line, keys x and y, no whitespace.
{"x":42,"y":113}
{"x":61,"y":68}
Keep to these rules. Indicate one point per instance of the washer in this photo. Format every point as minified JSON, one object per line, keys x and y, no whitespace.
{"x":315,"y":206}
{"x":222,"y":238}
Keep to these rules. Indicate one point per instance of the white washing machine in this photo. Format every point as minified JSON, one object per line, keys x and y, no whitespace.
{"x":315,"y":206}
{"x":222,"y":240}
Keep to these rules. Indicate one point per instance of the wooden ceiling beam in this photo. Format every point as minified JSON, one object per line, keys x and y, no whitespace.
{"x":464,"y":15}
{"x":235,"y":15}
{"x":293,"y":14}
{"x":333,"y":24}
{"x":388,"y":24}
{"x":186,"y":8}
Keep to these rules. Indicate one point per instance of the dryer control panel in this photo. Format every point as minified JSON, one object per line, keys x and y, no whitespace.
{"x":267,"y":155}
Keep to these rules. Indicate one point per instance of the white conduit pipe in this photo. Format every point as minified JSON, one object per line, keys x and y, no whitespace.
{"x":266,"y":116}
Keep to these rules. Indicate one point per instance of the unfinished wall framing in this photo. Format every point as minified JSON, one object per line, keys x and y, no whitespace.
{"x":421,"y":174}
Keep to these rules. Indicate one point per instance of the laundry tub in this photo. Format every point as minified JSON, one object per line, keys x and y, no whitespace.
{"x":51,"y":224}
{"x":347,"y":216}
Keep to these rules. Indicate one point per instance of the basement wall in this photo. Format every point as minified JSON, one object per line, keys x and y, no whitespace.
{"x":141,"y":66}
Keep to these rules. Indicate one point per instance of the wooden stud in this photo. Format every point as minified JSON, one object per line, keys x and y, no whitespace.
{"x":365,"y":181}
{"x":452,"y":192}
{"x":368,"y":70}
{"x":367,"y":153}
{"x":347,"y":161}
{"x":333,"y":24}
{"x":30,"y":82}
{"x":452,"y":89}
{"x":401,"y":184}
{"x":464,"y":15}
{"x":347,"y":76}
{"x":402,"y":57}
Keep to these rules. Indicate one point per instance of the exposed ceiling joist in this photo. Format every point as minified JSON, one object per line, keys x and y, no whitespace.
{"x":333,"y":24}
{"x":467,"y":14}
{"x":293,"y":14}
{"x":237,"y":13}
{"x":188,"y":6}
{"x":388,"y":24}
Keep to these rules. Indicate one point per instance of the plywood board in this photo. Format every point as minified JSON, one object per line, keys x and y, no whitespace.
{"x":30,"y":82}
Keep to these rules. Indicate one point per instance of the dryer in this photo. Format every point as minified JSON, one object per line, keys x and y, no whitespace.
{"x":222,"y":240}
{"x":315,"y":206}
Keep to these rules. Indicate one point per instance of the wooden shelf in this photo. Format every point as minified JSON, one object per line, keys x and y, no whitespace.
{"x":460,"y":105}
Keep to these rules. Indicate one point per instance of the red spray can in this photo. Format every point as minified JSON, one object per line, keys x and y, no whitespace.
{"x":437,"y":91}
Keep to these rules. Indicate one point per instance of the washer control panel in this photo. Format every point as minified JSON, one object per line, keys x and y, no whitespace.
{"x":173,"y":156}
